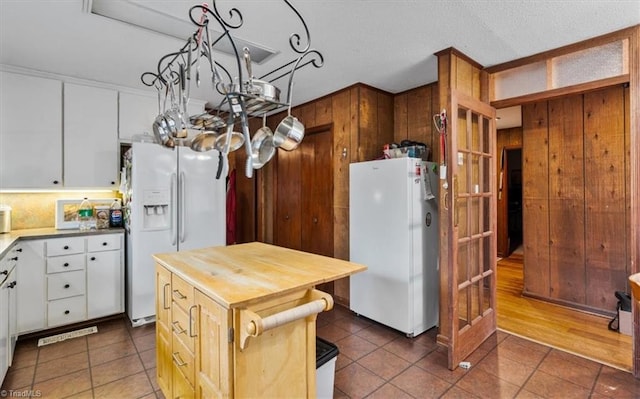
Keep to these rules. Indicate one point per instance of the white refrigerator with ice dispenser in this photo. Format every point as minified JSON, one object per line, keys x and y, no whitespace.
{"x":173,"y":201}
{"x":393,"y":230}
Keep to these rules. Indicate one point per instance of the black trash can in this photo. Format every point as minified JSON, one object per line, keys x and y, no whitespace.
{"x":326,"y":354}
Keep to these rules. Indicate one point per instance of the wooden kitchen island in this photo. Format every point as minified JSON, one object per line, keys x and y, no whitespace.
{"x":240,"y":321}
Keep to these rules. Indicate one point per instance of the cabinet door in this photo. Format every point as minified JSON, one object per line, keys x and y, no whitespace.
{"x":164,"y":360}
{"x":105,"y":283}
{"x":137,"y":113}
{"x":13,"y":313}
{"x":90,"y":136}
{"x":4,"y":328}
{"x":213,"y":352}
{"x":30,"y":132}
{"x":31,"y":288}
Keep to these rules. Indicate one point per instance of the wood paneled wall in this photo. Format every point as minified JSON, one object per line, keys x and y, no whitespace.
{"x":361,"y":121}
{"x":413,"y":117}
{"x":576,"y":205}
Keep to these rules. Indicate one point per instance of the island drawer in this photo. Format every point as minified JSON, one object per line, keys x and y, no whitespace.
{"x":183,"y":359}
{"x":181,"y":292}
{"x":182,"y":327}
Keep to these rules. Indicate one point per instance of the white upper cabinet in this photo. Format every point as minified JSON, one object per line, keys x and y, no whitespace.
{"x":30,"y":132}
{"x":90,"y":137}
{"x":138,"y":111}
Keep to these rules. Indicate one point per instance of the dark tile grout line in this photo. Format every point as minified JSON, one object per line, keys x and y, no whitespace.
{"x":129,"y":331}
{"x":454,"y":384}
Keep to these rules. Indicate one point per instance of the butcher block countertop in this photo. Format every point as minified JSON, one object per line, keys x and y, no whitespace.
{"x":236,"y":276}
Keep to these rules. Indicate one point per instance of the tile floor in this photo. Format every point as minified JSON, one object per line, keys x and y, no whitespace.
{"x":374,"y":362}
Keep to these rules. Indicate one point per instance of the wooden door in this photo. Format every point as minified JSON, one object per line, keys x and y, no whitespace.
{"x":317,"y":194}
{"x":468,"y":223}
{"x":288,"y":207}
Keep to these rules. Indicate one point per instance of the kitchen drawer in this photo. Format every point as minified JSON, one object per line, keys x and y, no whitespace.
{"x":182,"y":326}
{"x":65,"y":263}
{"x":9,"y":261}
{"x":64,"y":285}
{"x":64,"y":246}
{"x":183,"y":359}
{"x":66,"y":311}
{"x":181,"y":292}
{"x":106,"y":242}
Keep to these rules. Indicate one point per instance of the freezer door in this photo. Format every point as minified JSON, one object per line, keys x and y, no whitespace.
{"x":380,"y":237}
{"x":153,"y":226}
{"x":202,"y":200}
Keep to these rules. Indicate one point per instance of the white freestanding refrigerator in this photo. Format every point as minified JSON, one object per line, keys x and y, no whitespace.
{"x":173,"y":202}
{"x":393,"y":230}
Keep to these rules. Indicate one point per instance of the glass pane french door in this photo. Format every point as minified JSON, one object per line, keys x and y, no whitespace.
{"x":471,"y":260}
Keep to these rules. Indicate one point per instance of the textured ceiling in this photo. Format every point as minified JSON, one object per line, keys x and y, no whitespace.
{"x":386,"y":44}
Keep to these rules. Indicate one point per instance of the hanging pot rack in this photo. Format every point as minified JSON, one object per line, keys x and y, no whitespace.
{"x":239,"y":102}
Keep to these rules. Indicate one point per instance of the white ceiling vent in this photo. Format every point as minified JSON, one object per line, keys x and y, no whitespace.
{"x":147,"y":18}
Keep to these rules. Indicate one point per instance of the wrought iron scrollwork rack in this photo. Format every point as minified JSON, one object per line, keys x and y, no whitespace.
{"x":238,"y":102}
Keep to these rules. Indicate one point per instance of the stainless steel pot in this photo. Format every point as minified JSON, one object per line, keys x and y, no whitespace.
{"x":256,"y":87}
{"x":289,"y":133}
{"x":262,"y":146}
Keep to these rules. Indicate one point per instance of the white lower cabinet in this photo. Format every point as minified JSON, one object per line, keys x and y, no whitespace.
{"x":8,"y":309}
{"x":69,"y":279}
{"x":31,"y":288}
{"x":105,"y":275}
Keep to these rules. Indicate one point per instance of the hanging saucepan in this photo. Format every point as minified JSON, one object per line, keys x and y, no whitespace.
{"x":161,"y":127}
{"x":289,"y":133}
{"x":262,"y":147}
{"x":259,"y":88}
{"x":173,"y":116}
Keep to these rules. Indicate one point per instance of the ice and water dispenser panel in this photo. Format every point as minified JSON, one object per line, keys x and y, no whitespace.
{"x":155,"y":204}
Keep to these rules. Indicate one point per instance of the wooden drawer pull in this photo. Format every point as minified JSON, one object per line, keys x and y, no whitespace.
{"x":177,"y":328}
{"x":178,"y":294}
{"x":192,"y":321}
{"x":176,"y":359}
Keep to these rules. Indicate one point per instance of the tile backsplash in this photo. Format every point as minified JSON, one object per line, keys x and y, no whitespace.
{"x":37,"y":210}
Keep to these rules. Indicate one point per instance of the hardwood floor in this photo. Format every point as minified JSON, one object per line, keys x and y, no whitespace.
{"x":573,"y":331}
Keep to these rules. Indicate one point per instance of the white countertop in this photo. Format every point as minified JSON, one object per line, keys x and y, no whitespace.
{"x":8,"y":239}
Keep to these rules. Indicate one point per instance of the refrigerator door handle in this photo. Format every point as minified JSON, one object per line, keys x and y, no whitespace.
{"x":183,"y":213}
{"x":174,"y":230}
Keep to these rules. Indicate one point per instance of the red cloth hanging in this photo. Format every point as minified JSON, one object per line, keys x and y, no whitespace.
{"x":231,"y":208}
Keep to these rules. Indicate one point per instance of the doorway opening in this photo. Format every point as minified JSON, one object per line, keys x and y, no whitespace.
{"x":513,"y":183}
{"x":510,"y":202}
